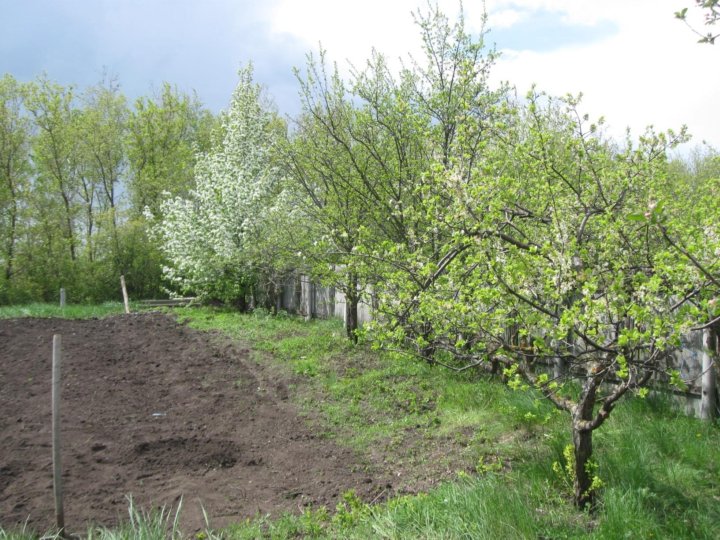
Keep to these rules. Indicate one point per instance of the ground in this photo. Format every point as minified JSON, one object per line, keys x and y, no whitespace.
{"x":155,"y":410}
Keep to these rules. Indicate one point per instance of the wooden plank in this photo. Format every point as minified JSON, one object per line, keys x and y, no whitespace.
{"x":169,"y":302}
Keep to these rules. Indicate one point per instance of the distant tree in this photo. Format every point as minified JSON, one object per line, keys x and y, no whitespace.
{"x":165,"y":134}
{"x":56,"y":154}
{"x":103,"y":129}
{"x":77,"y":169}
{"x":15,"y":170}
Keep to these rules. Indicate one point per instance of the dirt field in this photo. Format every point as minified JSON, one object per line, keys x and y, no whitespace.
{"x":153,"y":409}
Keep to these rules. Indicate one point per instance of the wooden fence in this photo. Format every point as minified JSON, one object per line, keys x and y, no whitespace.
{"x":301,"y":296}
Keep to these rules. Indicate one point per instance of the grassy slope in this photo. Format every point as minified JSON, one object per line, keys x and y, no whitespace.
{"x":494,"y":449}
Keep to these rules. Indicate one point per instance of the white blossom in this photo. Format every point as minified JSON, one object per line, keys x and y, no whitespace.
{"x":208,"y":232}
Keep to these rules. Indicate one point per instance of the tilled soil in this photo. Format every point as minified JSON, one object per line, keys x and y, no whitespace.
{"x":157,"y":411}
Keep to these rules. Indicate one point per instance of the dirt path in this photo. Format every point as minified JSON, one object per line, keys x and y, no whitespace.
{"x":154,"y":409}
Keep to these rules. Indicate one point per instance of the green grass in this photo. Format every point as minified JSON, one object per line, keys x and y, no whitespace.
{"x":159,"y":524}
{"x":661,"y":470}
{"x":369,"y":401}
{"x":493,"y":449}
{"x":70,"y":311}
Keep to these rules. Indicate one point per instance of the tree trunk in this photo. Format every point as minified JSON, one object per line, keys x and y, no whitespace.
{"x":582,"y":443}
{"x":310,"y":311}
{"x":709,"y":378}
{"x":69,"y":233}
{"x":262,"y":292}
{"x":352,"y":299}
{"x":10,"y":249}
{"x":297,"y":302}
{"x":278,"y":297}
{"x":351,"y":317}
{"x":241,"y":304}
{"x":428,"y":352}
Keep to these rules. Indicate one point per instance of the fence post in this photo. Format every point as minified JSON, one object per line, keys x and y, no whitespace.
{"x":124,"y":293}
{"x":312,"y":299}
{"x":62,"y":297}
{"x":56,"y":459}
{"x":308,"y":297}
{"x":709,"y":379}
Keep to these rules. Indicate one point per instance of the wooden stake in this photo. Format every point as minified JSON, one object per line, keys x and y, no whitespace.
{"x":125,"y":296}
{"x":57,"y":465}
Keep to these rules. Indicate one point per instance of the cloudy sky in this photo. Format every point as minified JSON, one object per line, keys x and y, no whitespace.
{"x":635,"y":64}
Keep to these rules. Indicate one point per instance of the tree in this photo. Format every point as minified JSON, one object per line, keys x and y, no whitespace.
{"x":327,"y":183}
{"x":556,"y":260}
{"x":711,"y":14}
{"x":454,"y":110}
{"x":102,"y":128}
{"x":165,"y":134}
{"x":207,"y":236}
{"x":363,"y":148}
{"x":15,"y":168}
{"x":581,"y":279}
{"x":56,"y":151}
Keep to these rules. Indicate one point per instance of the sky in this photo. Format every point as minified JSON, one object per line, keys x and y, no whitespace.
{"x":635,"y":64}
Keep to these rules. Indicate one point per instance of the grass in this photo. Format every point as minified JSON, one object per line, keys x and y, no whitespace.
{"x":70,"y":311}
{"x":493,"y":449}
{"x":381,"y":404}
{"x":162,"y":523}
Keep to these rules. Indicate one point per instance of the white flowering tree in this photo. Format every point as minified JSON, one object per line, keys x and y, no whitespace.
{"x":211,"y":237}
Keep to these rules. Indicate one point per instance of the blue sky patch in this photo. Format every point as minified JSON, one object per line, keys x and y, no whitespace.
{"x":544,"y":31}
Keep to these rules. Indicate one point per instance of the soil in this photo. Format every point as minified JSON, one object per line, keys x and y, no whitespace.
{"x":159,"y":412}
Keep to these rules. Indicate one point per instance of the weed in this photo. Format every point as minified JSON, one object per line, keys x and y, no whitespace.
{"x":350,"y":511}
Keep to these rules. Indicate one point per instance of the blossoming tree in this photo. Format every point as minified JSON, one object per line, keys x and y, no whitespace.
{"x":211,"y":237}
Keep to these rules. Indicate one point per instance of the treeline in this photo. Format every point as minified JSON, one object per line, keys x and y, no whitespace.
{"x":78,"y":169}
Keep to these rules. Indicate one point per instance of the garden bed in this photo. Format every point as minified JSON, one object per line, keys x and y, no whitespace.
{"x":155,"y":410}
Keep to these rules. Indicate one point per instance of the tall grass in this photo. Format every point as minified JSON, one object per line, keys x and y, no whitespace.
{"x":159,"y":524}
